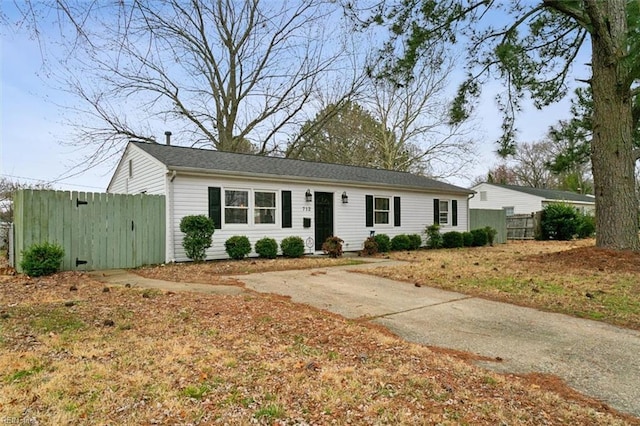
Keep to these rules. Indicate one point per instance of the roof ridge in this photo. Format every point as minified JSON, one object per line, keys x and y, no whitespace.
{"x":274,"y":157}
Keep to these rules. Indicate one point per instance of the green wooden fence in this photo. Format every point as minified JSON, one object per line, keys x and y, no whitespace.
{"x":497,"y":219}
{"x":96,"y":230}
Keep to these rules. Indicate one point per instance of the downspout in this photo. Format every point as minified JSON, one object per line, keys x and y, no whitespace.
{"x":469,"y":211}
{"x":171,"y":252}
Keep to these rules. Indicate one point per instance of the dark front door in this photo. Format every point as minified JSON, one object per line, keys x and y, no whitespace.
{"x":323,"y":217}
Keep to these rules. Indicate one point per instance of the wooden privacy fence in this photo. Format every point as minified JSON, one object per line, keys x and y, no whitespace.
{"x":96,"y":230}
{"x":523,"y":226}
{"x":497,"y":219}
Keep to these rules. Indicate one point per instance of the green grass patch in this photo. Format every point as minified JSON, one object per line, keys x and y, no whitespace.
{"x":20,"y":375}
{"x":270,"y":412}
{"x":197,"y":391}
{"x":56,"y":320}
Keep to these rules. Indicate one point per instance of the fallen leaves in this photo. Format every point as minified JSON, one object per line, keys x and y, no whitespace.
{"x":118,"y":357}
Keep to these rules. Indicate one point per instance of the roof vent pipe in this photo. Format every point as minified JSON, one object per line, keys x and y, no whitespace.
{"x":168,"y":137}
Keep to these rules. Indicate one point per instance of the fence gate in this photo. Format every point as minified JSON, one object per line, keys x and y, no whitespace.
{"x":497,"y":219}
{"x":96,"y":230}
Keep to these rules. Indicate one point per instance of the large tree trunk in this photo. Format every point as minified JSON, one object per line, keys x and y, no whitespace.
{"x":612,"y":154}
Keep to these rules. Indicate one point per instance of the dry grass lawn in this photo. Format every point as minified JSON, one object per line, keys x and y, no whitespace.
{"x":73,"y":351}
{"x":574,"y":277}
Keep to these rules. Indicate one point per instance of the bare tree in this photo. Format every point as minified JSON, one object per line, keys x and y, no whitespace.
{"x":530,"y":165}
{"x":8,"y":188}
{"x":218,"y":73}
{"x":419,"y":136}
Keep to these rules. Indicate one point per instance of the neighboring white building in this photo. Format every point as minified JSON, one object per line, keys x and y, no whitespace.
{"x":525,"y":200}
{"x":259,"y":196}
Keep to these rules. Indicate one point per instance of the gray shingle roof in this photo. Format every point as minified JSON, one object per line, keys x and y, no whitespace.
{"x":207,"y":160}
{"x":550,"y":194}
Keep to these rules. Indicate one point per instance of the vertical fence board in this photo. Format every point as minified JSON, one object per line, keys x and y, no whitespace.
{"x":479,"y":218}
{"x":99,"y":232}
{"x":66,"y":205}
{"x":18,"y":227}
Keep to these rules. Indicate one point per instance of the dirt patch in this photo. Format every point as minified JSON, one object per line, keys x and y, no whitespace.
{"x":590,"y":259}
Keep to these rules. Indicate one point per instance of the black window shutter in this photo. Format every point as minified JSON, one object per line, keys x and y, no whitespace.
{"x":454,"y":212}
{"x":215,"y":207}
{"x":396,"y":211}
{"x":436,"y":211}
{"x":369,"y":208}
{"x":286,"y":209}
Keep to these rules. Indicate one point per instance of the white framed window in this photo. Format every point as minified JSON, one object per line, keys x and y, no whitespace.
{"x":264,"y":207}
{"x":443,"y":211}
{"x":381,"y":210}
{"x":483,"y":195}
{"x":509,"y":211}
{"x":236,"y":206}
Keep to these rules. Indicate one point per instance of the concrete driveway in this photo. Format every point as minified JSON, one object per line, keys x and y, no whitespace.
{"x":597,"y":359}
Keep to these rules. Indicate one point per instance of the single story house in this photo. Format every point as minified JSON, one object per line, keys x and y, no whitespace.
{"x":515,"y":199}
{"x":258,"y":196}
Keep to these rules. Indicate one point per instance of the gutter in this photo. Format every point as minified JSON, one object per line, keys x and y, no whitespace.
{"x":311,"y":181}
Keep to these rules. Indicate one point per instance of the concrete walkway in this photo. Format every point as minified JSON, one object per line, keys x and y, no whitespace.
{"x":597,"y":359}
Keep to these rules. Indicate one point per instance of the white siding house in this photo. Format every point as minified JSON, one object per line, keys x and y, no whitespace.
{"x":524,"y":200}
{"x":260,"y":196}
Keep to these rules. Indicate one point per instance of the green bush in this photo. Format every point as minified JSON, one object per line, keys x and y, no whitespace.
{"x":267,"y":247}
{"x":452,"y":239}
{"x":400,"y":242}
{"x":559,"y":221}
{"x":333,"y":246}
{"x":237,"y":247}
{"x":415,"y":241}
{"x":491,"y":234}
{"x":384,"y":242}
{"x":370,"y":247}
{"x":479,"y":237}
{"x":434,"y":237}
{"x":587,"y":226}
{"x":197,"y":230}
{"x":42,"y":259}
{"x":292,"y":247}
{"x":467,"y":239}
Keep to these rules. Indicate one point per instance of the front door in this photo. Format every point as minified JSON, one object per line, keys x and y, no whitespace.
{"x":323,"y":217}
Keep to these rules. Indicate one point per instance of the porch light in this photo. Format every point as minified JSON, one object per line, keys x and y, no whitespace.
{"x":307,"y":196}
{"x":345,"y":197}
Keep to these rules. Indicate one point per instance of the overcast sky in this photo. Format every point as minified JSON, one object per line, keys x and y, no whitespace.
{"x":33,"y":131}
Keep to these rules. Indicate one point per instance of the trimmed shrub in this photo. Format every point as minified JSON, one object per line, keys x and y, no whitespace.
{"x":415,"y":241}
{"x":237,"y":247}
{"x":452,"y":239}
{"x":587,"y":226}
{"x":400,"y":242}
{"x":333,"y":246}
{"x":292,"y":247}
{"x":479,"y":237}
{"x":467,"y":239}
{"x":197,"y":230}
{"x":42,"y":259}
{"x":384,"y":242}
{"x":267,"y":247}
{"x":370,"y":247}
{"x":491,"y":234}
{"x":559,"y":222}
{"x":434,"y":237}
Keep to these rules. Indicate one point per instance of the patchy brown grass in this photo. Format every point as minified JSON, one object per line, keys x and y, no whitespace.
{"x":575,"y":277}
{"x":75,"y":352}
